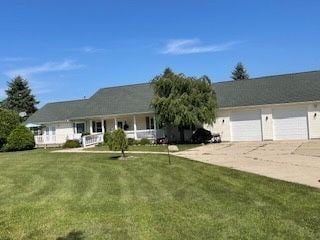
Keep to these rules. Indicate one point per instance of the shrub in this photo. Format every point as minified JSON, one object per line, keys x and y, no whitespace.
{"x":71,"y":144}
{"x":132,"y":141}
{"x":107,"y":138}
{"x":145,"y":141}
{"x":118,"y":141}
{"x":21,"y":138}
{"x":9,"y":120}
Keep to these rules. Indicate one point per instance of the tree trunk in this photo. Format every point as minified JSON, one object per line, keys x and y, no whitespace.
{"x":168,"y":133}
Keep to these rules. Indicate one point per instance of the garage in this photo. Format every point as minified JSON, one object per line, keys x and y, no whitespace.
{"x":246,"y":125}
{"x":290,"y":123}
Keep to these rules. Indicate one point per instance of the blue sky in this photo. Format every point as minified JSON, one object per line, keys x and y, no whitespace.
{"x":69,"y":49}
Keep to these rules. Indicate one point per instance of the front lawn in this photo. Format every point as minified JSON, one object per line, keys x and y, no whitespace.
{"x":92,"y":196}
{"x":146,"y":148}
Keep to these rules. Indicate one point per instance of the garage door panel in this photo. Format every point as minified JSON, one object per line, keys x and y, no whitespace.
{"x":290,"y":124}
{"x":246,"y":125}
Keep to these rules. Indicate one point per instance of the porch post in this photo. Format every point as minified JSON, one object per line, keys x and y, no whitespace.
{"x":115,"y":124}
{"x":91,"y":130}
{"x":102,"y":125}
{"x":155,"y":126}
{"x":135,"y":127}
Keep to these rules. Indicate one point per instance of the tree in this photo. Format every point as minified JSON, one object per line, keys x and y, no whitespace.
{"x":19,"y":97}
{"x":9,"y":120}
{"x":21,"y":138}
{"x":181,"y":101}
{"x":117,"y":141}
{"x":239,"y":72}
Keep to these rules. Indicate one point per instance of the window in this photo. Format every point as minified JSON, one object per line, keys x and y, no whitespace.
{"x":53,"y":130}
{"x":105,"y":125}
{"x":94,"y":127}
{"x":149,"y":123}
{"x":125,"y":126}
{"x":80,"y":128}
{"x":120,"y":125}
{"x":99,"y":126}
{"x":47,"y":131}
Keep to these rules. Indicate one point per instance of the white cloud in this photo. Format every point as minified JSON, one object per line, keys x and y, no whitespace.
{"x":89,"y":49}
{"x":191,"y":46}
{"x":46,"y":67}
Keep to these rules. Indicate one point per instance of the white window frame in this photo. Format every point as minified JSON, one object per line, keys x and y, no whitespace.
{"x":53,"y":130}
{"x":75,"y":127}
{"x":151,"y":122}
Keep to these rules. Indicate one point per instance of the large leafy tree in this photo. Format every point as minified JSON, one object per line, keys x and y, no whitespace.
{"x":181,"y":101}
{"x":239,"y":72}
{"x":20,"y":97}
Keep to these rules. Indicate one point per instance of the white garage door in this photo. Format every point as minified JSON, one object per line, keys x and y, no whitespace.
{"x":246,"y":125}
{"x":290,"y":123}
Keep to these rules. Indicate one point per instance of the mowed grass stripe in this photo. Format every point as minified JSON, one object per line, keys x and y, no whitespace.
{"x":49,"y":195}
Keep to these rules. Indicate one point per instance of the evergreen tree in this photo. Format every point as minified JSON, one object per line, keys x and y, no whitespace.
{"x":239,"y":73}
{"x":19,"y":97}
{"x":181,"y":101}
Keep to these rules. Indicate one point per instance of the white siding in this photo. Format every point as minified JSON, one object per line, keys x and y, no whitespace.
{"x":110,"y":125}
{"x":267,"y":123}
{"x":141,"y":121}
{"x":221,"y":125}
{"x":278,"y":122}
{"x":63,"y":131}
{"x":314,"y":120}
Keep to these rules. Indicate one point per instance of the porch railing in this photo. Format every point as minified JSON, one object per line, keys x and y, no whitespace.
{"x":151,"y":134}
{"x":130,"y":134}
{"x":93,"y":139}
{"x":55,"y":139}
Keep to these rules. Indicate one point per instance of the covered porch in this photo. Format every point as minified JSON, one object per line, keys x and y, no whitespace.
{"x":90,"y":131}
{"x":136,"y":126}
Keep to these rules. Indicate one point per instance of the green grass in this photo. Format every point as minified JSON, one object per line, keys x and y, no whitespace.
{"x":91,"y":196}
{"x":147,"y":148}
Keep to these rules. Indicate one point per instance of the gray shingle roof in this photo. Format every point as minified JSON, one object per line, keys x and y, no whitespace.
{"x":287,"y":88}
{"x":58,"y":111}
{"x":119,"y":100}
{"x":106,"y":101}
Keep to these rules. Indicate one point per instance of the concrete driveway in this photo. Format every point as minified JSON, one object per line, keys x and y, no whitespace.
{"x":293,"y":161}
